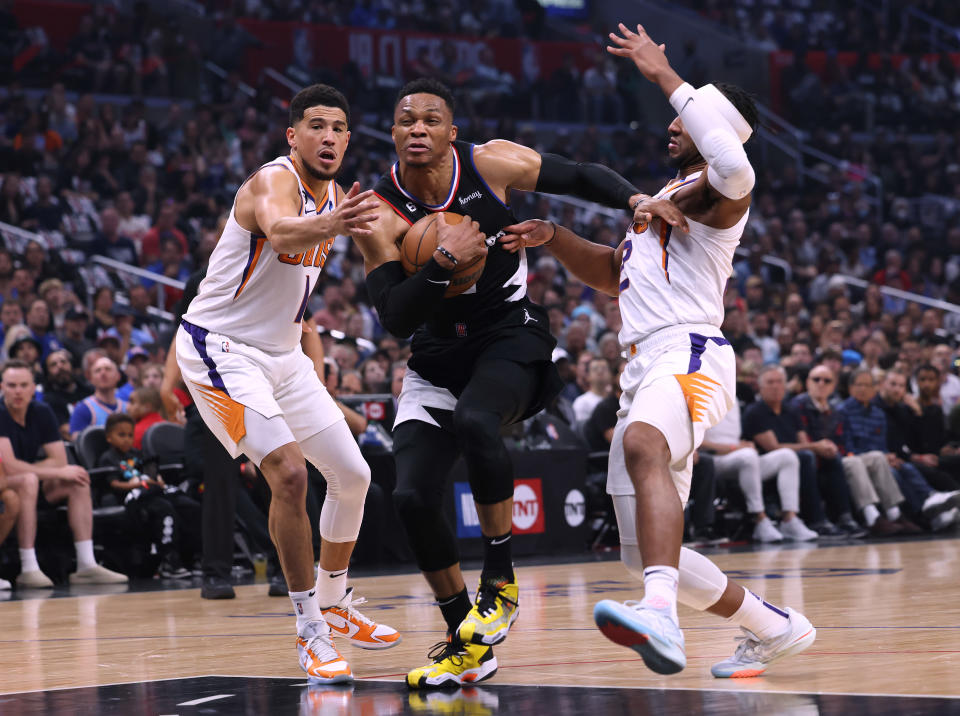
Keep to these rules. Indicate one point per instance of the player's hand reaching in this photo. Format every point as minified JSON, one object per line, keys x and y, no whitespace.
{"x":664,"y":209}
{"x":533,"y":232}
{"x":464,"y":241}
{"x":647,"y":55}
{"x":354,"y":214}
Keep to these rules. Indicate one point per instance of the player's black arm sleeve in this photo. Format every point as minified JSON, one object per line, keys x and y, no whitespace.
{"x":405,"y":303}
{"x":593,"y":182}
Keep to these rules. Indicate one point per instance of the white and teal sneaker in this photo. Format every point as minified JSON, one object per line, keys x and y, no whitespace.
{"x":754,"y":655}
{"x":652,"y":633}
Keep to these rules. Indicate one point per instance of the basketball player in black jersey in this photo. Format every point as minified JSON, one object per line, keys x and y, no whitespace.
{"x":480,"y":360}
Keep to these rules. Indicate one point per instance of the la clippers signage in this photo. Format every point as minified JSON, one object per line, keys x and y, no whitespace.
{"x":527,"y":506}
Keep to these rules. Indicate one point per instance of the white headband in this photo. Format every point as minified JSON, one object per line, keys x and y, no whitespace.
{"x":716,"y":99}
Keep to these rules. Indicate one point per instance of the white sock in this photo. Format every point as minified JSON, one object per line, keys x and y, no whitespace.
{"x":763,"y":619}
{"x":870,"y":514}
{"x":28,"y":560}
{"x":331,"y":586}
{"x":306,"y":608}
{"x":660,"y":588}
{"x":85,"y":558}
{"x":893,"y":513}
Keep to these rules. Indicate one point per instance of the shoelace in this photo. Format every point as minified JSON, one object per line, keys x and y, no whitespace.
{"x":447,"y":650}
{"x":349,"y":609}
{"x":322,"y":647}
{"x":487,"y":598}
{"x":749,"y":648}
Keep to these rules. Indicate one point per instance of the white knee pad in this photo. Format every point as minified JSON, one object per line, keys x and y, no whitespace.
{"x":702,"y":583}
{"x":335,"y":453}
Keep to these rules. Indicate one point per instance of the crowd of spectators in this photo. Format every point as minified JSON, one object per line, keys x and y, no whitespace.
{"x":152,"y":188}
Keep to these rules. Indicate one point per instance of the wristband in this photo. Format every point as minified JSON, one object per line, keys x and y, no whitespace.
{"x":443,"y":252}
{"x":552,"y":237}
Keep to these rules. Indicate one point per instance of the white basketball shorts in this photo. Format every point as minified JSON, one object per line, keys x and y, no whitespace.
{"x":682,"y":381}
{"x":225,"y":376}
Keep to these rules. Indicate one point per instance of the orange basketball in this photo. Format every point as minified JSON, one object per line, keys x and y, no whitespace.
{"x":420,"y":242}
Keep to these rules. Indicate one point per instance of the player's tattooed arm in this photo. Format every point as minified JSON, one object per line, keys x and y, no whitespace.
{"x":596,"y":265}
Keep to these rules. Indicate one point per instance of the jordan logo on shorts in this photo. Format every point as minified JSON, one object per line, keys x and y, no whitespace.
{"x":527,"y":318}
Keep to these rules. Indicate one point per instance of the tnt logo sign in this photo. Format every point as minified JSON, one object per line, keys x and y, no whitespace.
{"x":468,"y":521}
{"x":375,"y":410}
{"x":527,"y":506}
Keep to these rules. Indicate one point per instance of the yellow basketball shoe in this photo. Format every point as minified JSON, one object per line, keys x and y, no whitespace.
{"x":346,"y":621}
{"x":319,"y":657}
{"x":495,"y":610}
{"x":454,"y":664}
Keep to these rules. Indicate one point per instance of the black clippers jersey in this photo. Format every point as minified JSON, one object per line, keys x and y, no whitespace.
{"x":503,"y":283}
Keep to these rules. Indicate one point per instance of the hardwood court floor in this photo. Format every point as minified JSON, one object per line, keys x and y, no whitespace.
{"x":887,"y":615}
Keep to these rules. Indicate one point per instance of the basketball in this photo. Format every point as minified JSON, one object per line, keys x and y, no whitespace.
{"x":420,"y":242}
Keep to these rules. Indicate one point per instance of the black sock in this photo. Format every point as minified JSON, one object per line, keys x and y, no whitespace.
{"x":497,"y":559}
{"x":455,"y":609}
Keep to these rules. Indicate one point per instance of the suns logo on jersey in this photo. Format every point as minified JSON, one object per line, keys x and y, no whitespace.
{"x":315,"y":257}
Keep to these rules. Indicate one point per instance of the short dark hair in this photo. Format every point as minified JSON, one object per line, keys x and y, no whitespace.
{"x":426,"y":85}
{"x":318,"y":94}
{"x":742,"y":100}
{"x":115,"y":419}
{"x":15,"y":363}
{"x":927,"y":368}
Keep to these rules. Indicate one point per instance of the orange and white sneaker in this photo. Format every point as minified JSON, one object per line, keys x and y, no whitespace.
{"x":319,"y":657}
{"x":346,"y":621}
{"x":754,"y":655}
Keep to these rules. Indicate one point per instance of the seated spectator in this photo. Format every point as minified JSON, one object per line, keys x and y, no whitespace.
{"x":151,"y":248}
{"x":915,"y":428}
{"x":73,"y":337}
{"x":110,"y":242}
{"x":771,"y":425}
{"x":868,"y":474}
{"x":62,"y":390}
{"x":9,"y":512}
{"x":171,"y":263}
{"x":864,"y":428}
{"x":146,"y":408}
{"x":10,"y":315}
{"x":26,"y":428}
{"x":942,"y":360}
{"x":734,"y":457}
{"x":27,"y":349}
{"x":374,"y":377}
{"x":140,"y":300}
{"x":598,"y":430}
{"x":152,"y":375}
{"x":143,"y":496}
{"x":94,"y":410}
{"x":137,"y":358}
{"x":58,"y":300}
{"x":102,"y":313}
{"x":598,"y":387}
{"x":38,"y":320}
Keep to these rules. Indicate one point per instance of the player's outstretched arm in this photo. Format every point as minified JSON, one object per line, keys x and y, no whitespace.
{"x":596,"y":265}
{"x":514,"y":166}
{"x":277,"y":210}
{"x":729,"y":173}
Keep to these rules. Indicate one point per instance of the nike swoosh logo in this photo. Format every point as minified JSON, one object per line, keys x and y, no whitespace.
{"x":439,"y":283}
{"x":499,"y":541}
{"x":345,"y":628}
{"x":312,"y":593}
{"x":338,"y":574}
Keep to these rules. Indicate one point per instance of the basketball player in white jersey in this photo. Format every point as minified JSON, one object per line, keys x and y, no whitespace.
{"x":238,"y":348}
{"x":669,"y":273}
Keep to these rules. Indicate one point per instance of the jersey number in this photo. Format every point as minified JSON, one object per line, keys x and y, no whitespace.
{"x":627,"y":250}
{"x":315,"y":256}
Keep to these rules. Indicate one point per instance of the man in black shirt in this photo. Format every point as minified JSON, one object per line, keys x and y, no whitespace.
{"x":26,"y":427}
{"x":771,"y":424}
{"x":61,"y":389}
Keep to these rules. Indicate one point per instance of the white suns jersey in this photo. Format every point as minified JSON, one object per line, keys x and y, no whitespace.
{"x":253,"y":294}
{"x":669,"y":276}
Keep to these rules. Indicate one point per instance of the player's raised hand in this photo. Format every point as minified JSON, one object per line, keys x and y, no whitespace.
{"x":464,"y":240}
{"x":354,"y":213}
{"x":533,"y":232}
{"x":647,"y":209}
{"x":646,"y":54}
